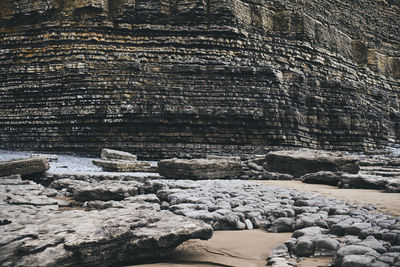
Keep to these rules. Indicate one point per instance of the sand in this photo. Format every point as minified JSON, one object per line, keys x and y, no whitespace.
{"x":248,"y":248}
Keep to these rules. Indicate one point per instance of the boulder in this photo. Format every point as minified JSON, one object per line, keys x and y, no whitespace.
{"x":111,"y":154}
{"x":122,"y":165}
{"x":322,"y":177}
{"x":199,"y":169}
{"x":300,"y":162}
{"x":24,"y":167}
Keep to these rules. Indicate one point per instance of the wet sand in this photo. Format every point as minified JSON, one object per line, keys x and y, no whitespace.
{"x":248,"y":248}
{"x":388,"y":203}
{"x":251,"y":248}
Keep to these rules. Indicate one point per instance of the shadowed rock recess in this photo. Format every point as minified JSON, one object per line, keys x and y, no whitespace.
{"x":164,"y":78}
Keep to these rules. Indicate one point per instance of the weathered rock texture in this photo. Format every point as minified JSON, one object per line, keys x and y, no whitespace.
{"x":30,"y":166}
{"x":199,"y":169}
{"x":166,"y":78}
{"x":303,"y":161}
{"x":34,"y":232}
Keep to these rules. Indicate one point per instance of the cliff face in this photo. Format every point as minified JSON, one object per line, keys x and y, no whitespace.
{"x":168,"y":77}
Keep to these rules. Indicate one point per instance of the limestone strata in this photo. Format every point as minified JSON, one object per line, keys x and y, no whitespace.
{"x":179,"y":78}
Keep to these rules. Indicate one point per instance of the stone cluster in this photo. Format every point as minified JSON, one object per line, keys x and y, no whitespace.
{"x":186,"y":78}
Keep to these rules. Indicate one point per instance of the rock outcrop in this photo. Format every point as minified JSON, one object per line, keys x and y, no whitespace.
{"x":25,"y":167}
{"x":169,"y":79}
{"x":300,"y":162}
{"x":199,"y":169}
{"x":35,"y":232}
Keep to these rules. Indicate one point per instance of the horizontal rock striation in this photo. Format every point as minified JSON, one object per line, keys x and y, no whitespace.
{"x":176,"y":78}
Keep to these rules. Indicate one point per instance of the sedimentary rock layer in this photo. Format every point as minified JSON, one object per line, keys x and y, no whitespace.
{"x":171,"y":78}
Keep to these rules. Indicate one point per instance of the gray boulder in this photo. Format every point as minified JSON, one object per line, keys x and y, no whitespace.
{"x":199,"y":169}
{"x":24,"y":167}
{"x":300,"y":162}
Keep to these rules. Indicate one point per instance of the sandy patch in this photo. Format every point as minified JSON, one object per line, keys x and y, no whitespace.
{"x":226,"y":248}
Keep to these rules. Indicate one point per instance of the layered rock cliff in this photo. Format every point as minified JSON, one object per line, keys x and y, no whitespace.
{"x":165,"y":78}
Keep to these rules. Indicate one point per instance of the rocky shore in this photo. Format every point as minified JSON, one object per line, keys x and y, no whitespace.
{"x":80,"y":215}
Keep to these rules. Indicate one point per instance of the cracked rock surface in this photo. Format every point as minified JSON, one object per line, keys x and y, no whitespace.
{"x":36,"y":232}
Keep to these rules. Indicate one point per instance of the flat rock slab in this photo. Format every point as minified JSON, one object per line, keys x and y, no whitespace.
{"x":111,"y":154}
{"x":122,"y":165}
{"x":34,"y":232}
{"x":199,"y":169}
{"x":99,"y":190}
{"x":96,"y":238}
{"x":303,"y":161}
{"x":27,"y":166}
